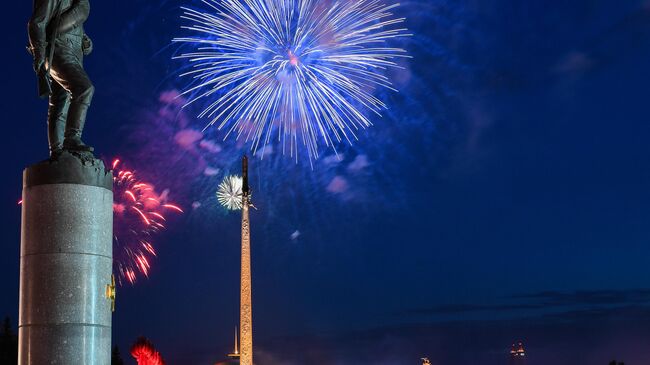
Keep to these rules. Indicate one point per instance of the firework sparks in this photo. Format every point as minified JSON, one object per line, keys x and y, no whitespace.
{"x":292,"y":71}
{"x":139,"y":214}
{"x":229,"y":193}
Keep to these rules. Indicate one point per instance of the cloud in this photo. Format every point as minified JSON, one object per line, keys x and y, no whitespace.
{"x":187,"y":138}
{"x":591,"y":297}
{"x":210,"y":146}
{"x":360,"y":163}
{"x":338,"y":185}
{"x":574,"y":63}
{"x":466,"y":308}
{"x":546,"y":300}
{"x":172,"y":97}
{"x":332,"y":159}
{"x":211,"y":171}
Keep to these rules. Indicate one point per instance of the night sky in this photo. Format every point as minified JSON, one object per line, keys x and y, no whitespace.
{"x":505,"y":196}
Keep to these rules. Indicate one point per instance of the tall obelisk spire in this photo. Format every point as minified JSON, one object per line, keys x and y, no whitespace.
{"x":245,"y":309}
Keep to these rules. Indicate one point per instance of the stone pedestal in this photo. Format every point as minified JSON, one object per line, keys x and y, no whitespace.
{"x":66,"y":261}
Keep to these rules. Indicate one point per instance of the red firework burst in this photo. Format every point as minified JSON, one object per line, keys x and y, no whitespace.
{"x":138,"y":216}
{"x":145,"y":354}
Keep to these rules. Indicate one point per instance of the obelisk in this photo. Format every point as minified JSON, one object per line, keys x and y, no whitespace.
{"x":245,"y":305}
{"x":66,"y":261}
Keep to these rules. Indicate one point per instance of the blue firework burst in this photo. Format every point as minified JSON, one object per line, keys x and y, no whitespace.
{"x":291,"y":72}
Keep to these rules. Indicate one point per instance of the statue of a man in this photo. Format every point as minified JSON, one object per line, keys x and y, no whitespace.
{"x":58,"y":43}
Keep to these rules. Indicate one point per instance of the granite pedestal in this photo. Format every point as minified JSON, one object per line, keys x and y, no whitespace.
{"x":66,"y":261}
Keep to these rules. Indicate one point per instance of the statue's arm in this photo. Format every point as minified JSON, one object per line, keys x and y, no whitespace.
{"x":75,"y":16}
{"x":37,"y":28}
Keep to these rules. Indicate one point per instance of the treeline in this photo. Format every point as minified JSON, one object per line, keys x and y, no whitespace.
{"x":8,"y":343}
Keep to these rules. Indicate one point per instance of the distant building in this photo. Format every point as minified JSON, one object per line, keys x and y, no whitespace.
{"x":233,"y":357}
{"x":517,"y":354}
{"x":235,"y":353}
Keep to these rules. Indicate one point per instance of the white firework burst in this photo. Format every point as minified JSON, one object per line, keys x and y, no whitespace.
{"x":230,"y":192}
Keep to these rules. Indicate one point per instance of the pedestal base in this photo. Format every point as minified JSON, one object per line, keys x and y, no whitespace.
{"x":66,"y":262}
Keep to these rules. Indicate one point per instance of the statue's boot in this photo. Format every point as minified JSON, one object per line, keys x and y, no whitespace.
{"x":73,"y":142}
{"x":80,"y":102}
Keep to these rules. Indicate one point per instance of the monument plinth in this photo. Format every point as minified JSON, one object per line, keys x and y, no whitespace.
{"x":66,"y":261}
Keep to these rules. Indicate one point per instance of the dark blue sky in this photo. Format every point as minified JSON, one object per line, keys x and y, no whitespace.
{"x":506,"y":195}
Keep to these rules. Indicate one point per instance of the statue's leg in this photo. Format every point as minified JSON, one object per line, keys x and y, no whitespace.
{"x":67,"y":70}
{"x":56,"y":117}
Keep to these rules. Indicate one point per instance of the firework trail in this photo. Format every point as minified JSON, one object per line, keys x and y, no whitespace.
{"x":229,"y":193}
{"x":138,"y":214}
{"x":291,"y":71}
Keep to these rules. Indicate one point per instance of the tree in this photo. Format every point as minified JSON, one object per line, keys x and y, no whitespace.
{"x":8,"y":344}
{"x":116,"y":358}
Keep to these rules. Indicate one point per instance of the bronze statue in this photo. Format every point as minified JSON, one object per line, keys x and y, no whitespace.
{"x":58,"y":43}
